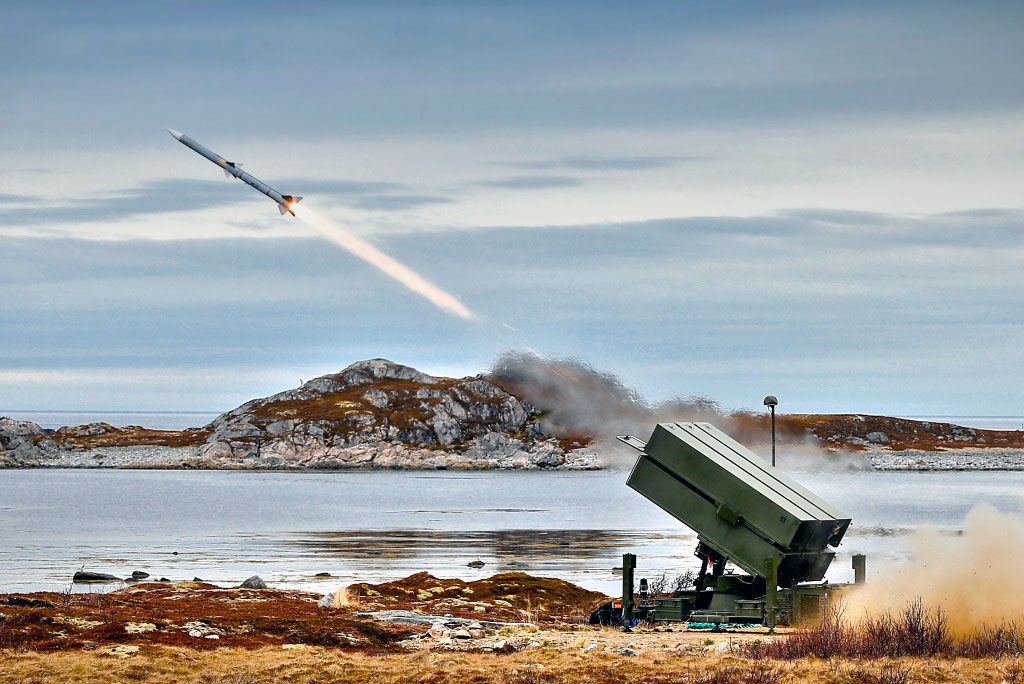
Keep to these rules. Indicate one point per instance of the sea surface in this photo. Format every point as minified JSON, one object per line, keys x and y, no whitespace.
{"x":224,"y":526}
{"x":156,"y":420}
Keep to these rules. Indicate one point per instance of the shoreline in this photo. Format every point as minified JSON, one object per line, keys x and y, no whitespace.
{"x":189,"y":458}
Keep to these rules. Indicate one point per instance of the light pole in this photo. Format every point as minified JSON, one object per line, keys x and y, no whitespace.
{"x":771,"y":402}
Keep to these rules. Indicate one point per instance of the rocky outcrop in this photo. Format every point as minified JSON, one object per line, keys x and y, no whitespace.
{"x":380,"y":414}
{"x":374,"y":414}
{"x":17,"y":447}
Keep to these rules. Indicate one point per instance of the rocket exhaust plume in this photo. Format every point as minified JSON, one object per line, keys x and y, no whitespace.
{"x":381,"y":261}
{"x":289,"y":204}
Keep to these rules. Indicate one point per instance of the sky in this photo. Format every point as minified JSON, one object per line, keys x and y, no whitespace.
{"x":821,"y":201}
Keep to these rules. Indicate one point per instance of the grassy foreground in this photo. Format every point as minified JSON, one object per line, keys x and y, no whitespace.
{"x":160,"y":664}
{"x":197,"y":632}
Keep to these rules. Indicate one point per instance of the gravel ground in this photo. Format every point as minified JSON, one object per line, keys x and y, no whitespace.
{"x":952,"y":459}
{"x":907,"y":459}
{"x":120,"y":457}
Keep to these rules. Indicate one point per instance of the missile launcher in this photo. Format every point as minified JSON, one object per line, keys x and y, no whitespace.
{"x":745,"y":512}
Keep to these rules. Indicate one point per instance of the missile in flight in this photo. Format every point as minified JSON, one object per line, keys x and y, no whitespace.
{"x":285,"y":203}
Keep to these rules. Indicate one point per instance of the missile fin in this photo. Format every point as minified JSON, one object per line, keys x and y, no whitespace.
{"x":281,"y":208}
{"x":227,"y":174}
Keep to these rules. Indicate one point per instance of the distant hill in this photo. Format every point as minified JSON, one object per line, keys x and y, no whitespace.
{"x":525,"y":414}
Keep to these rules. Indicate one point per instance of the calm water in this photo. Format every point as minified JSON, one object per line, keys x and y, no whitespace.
{"x":156,"y":420}
{"x":224,"y":526}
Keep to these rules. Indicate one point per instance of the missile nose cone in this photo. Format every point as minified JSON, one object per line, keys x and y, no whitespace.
{"x":176,"y":134}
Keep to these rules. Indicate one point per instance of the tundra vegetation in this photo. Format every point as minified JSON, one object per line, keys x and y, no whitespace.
{"x":196,"y":632}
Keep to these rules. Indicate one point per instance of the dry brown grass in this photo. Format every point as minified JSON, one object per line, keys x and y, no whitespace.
{"x":240,"y":618}
{"x":915,"y":631}
{"x":128,"y":436}
{"x":244,"y":618}
{"x":840,"y":430}
{"x":282,"y":636}
{"x":162,"y":665}
{"x":510,"y":597}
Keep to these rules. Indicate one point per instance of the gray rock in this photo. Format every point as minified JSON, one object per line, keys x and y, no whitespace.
{"x":408,"y":617}
{"x":139,"y":574}
{"x":19,"y":428}
{"x":253,"y":582}
{"x":88,"y":430}
{"x":376,"y":397}
{"x":626,"y":651}
{"x":280,"y":427}
{"x":87,"y":576}
{"x":877,"y":437}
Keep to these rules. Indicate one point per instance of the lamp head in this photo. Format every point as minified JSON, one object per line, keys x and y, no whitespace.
{"x":771,"y":401}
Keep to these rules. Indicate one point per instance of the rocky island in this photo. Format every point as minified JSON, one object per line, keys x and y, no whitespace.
{"x":524,"y":414}
{"x":373,"y":414}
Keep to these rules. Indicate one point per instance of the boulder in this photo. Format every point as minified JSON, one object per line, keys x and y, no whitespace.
{"x":139,"y":574}
{"x":253,"y":582}
{"x":87,"y":576}
{"x":19,"y":428}
{"x":376,"y":397}
{"x":437,"y":631}
{"x":280,"y":427}
{"x":28,"y":603}
{"x":87,"y":430}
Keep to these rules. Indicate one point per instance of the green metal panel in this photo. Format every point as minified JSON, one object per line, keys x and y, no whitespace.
{"x":672,"y":609}
{"x":628,"y":565}
{"x":737,"y":502}
{"x":735,"y":541}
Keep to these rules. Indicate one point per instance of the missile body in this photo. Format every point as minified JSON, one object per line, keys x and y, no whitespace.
{"x":284,"y":202}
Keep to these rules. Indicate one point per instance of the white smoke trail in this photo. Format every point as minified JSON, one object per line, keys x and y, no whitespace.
{"x":364,"y":250}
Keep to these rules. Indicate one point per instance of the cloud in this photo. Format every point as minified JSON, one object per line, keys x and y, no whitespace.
{"x":343,"y":187}
{"x":368,"y":195}
{"x":914,"y":315}
{"x":7,"y":198}
{"x":532,"y":182}
{"x":841,"y":216}
{"x":604,"y":163}
{"x":174,"y":195}
{"x":154,"y":197}
{"x":398,"y":202}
